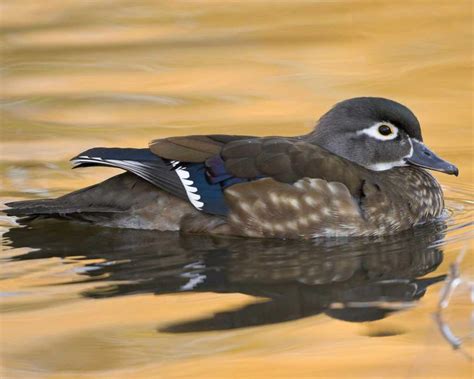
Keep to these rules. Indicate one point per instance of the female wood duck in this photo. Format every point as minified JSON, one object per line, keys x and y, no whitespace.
{"x":360,"y":172}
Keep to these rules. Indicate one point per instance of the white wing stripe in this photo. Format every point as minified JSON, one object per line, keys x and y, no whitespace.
{"x":187,"y":183}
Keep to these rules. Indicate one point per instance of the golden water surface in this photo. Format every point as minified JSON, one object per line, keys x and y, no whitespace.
{"x":89,"y":303}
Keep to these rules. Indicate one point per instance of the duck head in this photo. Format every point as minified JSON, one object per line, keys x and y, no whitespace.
{"x":378,"y":134}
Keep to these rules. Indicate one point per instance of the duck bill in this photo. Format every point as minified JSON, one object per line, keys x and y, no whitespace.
{"x":424,"y":157}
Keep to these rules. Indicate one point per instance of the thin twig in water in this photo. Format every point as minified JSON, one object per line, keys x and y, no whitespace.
{"x":453,"y":280}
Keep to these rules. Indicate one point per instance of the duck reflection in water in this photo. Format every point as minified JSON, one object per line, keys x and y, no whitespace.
{"x":357,"y":279}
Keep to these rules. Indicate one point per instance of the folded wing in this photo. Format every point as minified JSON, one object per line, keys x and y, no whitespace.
{"x":200,"y":168}
{"x":243,"y":158}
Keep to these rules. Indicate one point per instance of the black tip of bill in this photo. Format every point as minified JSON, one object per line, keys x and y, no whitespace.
{"x":424,"y":157}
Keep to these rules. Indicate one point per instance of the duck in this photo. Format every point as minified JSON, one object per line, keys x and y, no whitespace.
{"x":362,"y":171}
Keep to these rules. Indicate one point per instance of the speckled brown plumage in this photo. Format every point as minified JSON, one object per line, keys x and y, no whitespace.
{"x":345,"y":178}
{"x":314,"y":207}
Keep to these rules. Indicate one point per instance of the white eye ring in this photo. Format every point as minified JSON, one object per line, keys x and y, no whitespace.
{"x":373,"y":131}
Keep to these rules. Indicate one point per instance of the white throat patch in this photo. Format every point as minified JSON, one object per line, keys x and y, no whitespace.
{"x":383,"y":166}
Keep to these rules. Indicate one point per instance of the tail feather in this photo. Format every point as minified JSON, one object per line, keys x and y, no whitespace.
{"x":141,"y":162}
{"x":147,"y":175}
{"x":46,"y":207}
{"x":114,"y":196}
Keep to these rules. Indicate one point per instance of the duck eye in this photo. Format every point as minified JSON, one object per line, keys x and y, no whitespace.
{"x":385,"y":130}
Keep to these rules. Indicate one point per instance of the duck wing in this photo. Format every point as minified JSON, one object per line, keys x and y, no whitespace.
{"x":239,"y":159}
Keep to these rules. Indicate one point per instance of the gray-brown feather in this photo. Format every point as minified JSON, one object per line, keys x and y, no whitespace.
{"x":288,"y":160}
{"x":125,"y":201}
{"x":191,"y":148}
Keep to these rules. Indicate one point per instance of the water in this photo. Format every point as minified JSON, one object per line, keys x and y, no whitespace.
{"x":85,"y":302}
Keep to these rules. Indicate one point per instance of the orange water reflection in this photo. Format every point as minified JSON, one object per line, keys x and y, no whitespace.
{"x":78,"y":74}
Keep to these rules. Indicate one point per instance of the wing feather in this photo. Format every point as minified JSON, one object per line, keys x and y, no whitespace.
{"x":193,"y":149}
